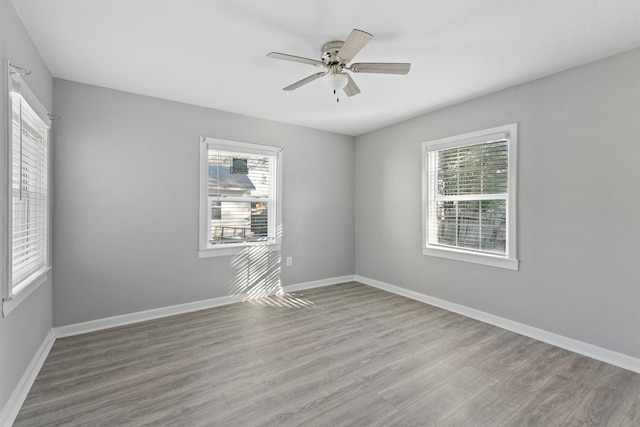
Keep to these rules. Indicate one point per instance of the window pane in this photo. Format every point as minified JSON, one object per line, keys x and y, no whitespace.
{"x":239,"y":222}
{"x":473,"y":169}
{"x":477,"y":225}
{"x":239,"y":175}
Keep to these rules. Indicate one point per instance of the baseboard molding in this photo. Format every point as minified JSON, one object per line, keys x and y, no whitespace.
{"x":318,"y":283}
{"x":580,"y":347}
{"x":142,"y":316}
{"x":11,"y":409}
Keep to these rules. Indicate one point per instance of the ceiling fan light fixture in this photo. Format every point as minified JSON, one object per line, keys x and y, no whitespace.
{"x":336,"y":81}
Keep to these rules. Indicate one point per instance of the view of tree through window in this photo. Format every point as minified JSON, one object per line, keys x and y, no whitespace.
{"x":472,"y":185}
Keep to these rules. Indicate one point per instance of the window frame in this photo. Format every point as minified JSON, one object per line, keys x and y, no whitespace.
{"x":13,"y":295}
{"x":509,"y":260}
{"x":205,"y":249}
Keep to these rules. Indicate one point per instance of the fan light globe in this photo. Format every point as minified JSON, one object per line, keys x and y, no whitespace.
{"x":336,"y":81}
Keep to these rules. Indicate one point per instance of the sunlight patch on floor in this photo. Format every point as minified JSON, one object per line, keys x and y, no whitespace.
{"x":283,"y":300}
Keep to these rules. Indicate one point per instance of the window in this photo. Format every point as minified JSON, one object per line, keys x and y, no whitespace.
{"x":239,"y":196}
{"x":469,"y":197}
{"x":216,"y":210}
{"x":28,"y":195}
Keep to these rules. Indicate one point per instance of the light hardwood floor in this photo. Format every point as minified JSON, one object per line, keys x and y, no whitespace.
{"x":343,"y":355}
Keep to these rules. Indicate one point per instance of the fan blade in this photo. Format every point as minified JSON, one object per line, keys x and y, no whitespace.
{"x":381,"y":67}
{"x":352,"y":45}
{"x":306,"y":80}
{"x":278,"y":55}
{"x":351,"y":88}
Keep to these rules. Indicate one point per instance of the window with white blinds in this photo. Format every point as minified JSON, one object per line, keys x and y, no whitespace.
{"x":470,"y":197}
{"x":239,"y":194}
{"x":29,"y":195}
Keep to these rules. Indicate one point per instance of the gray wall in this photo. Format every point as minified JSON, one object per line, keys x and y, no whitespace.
{"x":578,"y":205}
{"x":25,"y":328}
{"x":126,"y":205}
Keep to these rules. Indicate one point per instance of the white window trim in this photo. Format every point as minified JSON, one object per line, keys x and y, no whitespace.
{"x":12,"y":297}
{"x":509,"y":260}
{"x":230,"y":249}
{"x":26,"y":288}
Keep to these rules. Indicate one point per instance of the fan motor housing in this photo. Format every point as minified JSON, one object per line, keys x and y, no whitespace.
{"x":330,"y":53}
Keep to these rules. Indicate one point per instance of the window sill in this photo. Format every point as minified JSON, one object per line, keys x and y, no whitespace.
{"x":26,"y":288}
{"x":476,"y":258}
{"x":231,"y":250}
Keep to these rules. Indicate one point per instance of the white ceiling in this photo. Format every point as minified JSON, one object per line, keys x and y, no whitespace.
{"x":213,"y":53}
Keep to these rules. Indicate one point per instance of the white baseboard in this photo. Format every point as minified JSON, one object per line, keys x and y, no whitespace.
{"x":11,"y":409}
{"x":580,"y":347}
{"x":142,"y":316}
{"x":318,"y":283}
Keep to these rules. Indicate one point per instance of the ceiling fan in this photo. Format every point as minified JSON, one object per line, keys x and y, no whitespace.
{"x":335,"y":57}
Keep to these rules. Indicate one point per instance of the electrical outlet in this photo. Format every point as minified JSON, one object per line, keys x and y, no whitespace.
{"x":289,"y":261}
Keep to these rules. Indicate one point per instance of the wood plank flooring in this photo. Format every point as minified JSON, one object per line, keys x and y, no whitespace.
{"x":343,"y":355}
